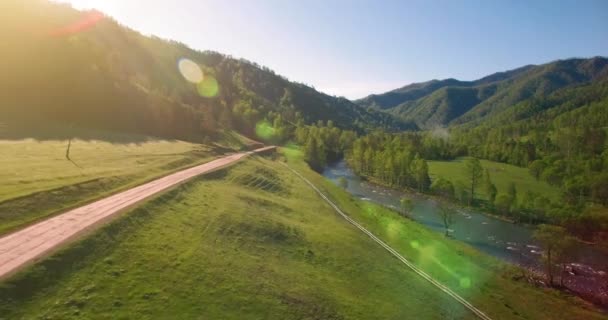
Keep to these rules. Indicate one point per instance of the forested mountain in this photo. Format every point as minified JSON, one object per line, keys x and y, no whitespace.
{"x":551,"y":119}
{"x":83,"y":68}
{"x":452,"y":102}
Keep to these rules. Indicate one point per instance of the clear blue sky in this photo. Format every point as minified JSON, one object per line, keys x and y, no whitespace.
{"x":354,"y":48}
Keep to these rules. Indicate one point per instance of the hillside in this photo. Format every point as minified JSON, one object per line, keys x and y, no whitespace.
{"x":96,"y":73}
{"x":453,"y":102}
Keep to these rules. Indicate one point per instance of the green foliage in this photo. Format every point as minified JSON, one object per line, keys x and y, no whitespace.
{"x":442,"y":102}
{"x":474,"y":172}
{"x":113,"y":78}
{"x":503,"y":203}
{"x":443,"y":187}
{"x":557,"y":245}
{"x":485,"y":281}
{"x":394,"y":159}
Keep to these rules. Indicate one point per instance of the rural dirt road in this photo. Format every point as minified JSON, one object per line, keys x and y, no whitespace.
{"x":25,"y":246}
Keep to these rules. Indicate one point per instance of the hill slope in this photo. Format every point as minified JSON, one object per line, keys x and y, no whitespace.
{"x":97,"y":73}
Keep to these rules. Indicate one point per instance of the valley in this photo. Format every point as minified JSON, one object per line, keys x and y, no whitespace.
{"x":145,"y":175}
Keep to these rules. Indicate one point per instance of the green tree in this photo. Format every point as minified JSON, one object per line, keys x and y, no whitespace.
{"x":314,"y":153}
{"x":489,"y":187}
{"x":557,"y":245}
{"x":421,"y":173}
{"x":512,"y":193}
{"x":446,"y":214}
{"x":443,"y":187}
{"x":536,"y":168}
{"x":474,"y":172}
{"x":503,"y":203}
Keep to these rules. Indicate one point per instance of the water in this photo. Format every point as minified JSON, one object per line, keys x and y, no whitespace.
{"x":502,"y":239}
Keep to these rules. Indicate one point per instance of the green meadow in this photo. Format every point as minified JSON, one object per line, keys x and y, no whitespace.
{"x":501,"y":175}
{"x":255,"y":242}
{"x":250,"y":242}
{"x":38,"y":180}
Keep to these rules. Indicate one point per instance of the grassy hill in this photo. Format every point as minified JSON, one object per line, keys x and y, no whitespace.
{"x":238,"y":244}
{"x":38,"y":180}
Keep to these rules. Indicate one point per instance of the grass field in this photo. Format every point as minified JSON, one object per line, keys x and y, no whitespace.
{"x":255,"y":242}
{"x":251,"y":242}
{"x":501,"y":175}
{"x":37,"y":179}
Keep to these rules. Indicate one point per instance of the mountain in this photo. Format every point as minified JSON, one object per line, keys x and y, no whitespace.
{"x":85,"y":69}
{"x":453,"y":102}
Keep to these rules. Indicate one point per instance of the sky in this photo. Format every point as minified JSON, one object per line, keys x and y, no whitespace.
{"x":355,"y":48}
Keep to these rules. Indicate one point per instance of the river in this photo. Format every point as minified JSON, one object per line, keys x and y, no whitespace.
{"x":502,"y":239}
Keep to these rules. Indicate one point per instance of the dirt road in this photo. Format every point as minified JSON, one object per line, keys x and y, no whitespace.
{"x":25,"y":246}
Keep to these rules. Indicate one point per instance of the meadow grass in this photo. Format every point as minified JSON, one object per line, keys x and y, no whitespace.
{"x":255,"y":242}
{"x":38,"y":180}
{"x":249,"y":242}
{"x":501,"y":175}
{"x":484,"y":280}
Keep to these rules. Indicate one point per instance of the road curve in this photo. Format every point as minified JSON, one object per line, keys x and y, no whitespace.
{"x":25,"y":246}
{"x":480,"y":314}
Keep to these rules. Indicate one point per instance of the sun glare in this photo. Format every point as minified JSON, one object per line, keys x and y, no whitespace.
{"x":190,"y":70}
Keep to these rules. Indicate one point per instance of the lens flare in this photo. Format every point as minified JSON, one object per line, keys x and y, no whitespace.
{"x":208,"y":87}
{"x":86,"y":21}
{"x":264,"y":130}
{"x":465,"y":282}
{"x":190,"y":70}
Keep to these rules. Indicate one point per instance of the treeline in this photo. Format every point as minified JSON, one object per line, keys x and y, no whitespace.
{"x":400,"y":161}
{"x":323,"y":143}
{"x":562,"y":140}
{"x":397,"y":160}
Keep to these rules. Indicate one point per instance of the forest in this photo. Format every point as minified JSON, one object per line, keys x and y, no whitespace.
{"x":561,"y":140}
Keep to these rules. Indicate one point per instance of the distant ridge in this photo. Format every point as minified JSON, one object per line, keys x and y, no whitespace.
{"x":453,"y":102}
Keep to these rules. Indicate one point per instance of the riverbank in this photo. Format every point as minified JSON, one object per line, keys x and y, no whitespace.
{"x":509,"y":241}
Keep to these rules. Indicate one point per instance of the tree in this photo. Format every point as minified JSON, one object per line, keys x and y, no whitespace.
{"x":314,"y":153}
{"x":343,"y":183}
{"x":599,"y":189}
{"x":443,"y":187}
{"x":503,"y":203}
{"x":489,"y":187}
{"x":512,"y":193}
{"x":406,"y":205}
{"x":557,"y":244}
{"x":421,"y":173}
{"x":474,"y":172}
{"x":446,"y":214}
{"x":491,"y":191}
{"x":536,"y":168}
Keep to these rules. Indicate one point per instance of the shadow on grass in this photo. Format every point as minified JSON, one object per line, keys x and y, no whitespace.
{"x":41,"y":277}
{"x":45,"y":131}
